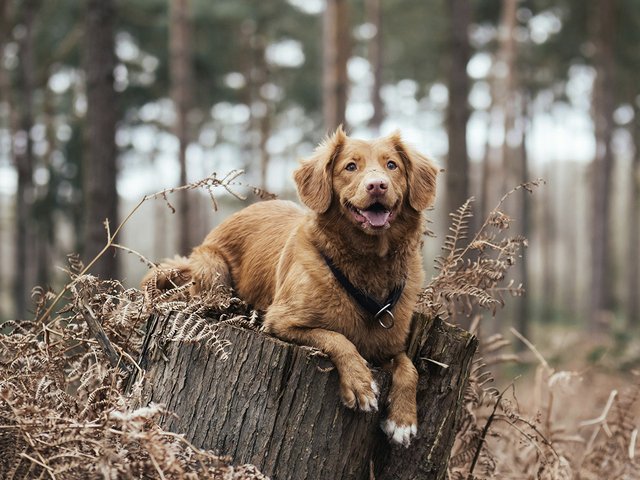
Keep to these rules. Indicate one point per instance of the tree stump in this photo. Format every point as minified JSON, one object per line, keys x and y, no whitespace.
{"x":277,"y":406}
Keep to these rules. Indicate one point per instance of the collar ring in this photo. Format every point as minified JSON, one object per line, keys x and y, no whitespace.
{"x":380,"y":316}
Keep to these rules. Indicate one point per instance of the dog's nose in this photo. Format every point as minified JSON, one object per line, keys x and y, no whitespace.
{"x":377,"y":186}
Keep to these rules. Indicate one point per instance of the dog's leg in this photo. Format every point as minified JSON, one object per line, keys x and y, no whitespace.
{"x":357,"y":387}
{"x":208,"y":269}
{"x":401,"y":423}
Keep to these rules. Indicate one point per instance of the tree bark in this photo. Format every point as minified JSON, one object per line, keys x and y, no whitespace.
{"x":524,"y":214}
{"x":181,"y":83}
{"x":99,"y":164}
{"x":457,"y":176}
{"x":5,"y":97}
{"x":602,"y":169}
{"x":507,"y":89}
{"x":375,"y":45}
{"x":336,"y":49}
{"x":549,"y":242}
{"x":633,"y":281}
{"x":276,"y":405}
{"x":23,"y":158}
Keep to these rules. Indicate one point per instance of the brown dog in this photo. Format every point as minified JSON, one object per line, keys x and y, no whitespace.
{"x":365,"y":225}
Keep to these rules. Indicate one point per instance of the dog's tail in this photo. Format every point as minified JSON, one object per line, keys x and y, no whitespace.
{"x":171,"y":273}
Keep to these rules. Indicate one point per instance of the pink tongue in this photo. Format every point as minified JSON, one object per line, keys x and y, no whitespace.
{"x":376,"y":219}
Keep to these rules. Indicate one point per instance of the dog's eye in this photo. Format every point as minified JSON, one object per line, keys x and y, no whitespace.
{"x":391,"y":165}
{"x":351,"y":167}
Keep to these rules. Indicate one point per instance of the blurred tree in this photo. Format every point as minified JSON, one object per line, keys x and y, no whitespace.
{"x":376,"y":45}
{"x":100,"y":156}
{"x":506,"y":78}
{"x":603,"y":107}
{"x":5,"y":93}
{"x":633,"y":275}
{"x":23,"y":157}
{"x":524,"y":220}
{"x":457,"y":176}
{"x":627,"y":91}
{"x":415,"y":36}
{"x":181,"y":86}
{"x":336,"y":43}
{"x":257,"y":73}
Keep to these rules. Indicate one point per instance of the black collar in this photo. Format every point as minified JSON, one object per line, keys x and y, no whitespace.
{"x":367,"y":303}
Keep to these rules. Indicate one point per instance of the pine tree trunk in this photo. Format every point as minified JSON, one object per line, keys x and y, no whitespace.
{"x":633,"y":282}
{"x":457,"y":176}
{"x":603,"y":164}
{"x":99,"y":164}
{"x":5,"y":97}
{"x":181,"y":80}
{"x":23,"y":158}
{"x":336,"y":49}
{"x":276,"y":405}
{"x":507,"y":90}
{"x":524,"y":215}
{"x":375,"y":45}
{"x":548,"y":236}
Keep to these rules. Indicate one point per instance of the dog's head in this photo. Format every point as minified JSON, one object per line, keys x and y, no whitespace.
{"x":369,"y":181}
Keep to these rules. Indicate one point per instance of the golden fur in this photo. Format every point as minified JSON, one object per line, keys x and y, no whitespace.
{"x":270,"y":253}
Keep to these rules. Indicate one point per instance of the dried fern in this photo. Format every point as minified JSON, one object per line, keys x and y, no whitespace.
{"x":472,"y":274}
{"x":63,"y":410}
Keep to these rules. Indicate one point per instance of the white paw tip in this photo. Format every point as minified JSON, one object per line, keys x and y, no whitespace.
{"x":369,"y":404}
{"x":388,"y":426}
{"x":346,"y":404}
{"x":399,"y":434}
{"x":374,"y":387}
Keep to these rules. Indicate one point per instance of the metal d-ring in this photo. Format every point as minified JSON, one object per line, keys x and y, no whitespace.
{"x":378,"y":316}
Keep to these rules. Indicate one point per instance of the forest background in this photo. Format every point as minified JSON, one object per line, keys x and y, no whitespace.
{"x":102,"y":102}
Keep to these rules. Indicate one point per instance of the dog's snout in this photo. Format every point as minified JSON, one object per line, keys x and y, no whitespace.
{"x":377,"y":186}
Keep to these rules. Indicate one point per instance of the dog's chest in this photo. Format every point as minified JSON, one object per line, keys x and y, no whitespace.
{"x":344,"y":314}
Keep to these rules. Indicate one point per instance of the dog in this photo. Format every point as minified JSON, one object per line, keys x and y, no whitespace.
{"x":342,"y":275}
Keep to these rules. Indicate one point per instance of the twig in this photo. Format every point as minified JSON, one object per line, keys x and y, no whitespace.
{"x":98,"y":332}
{"x":142,"y":258}
{"x":485,"y":430}
{"x":209,"y":183}
{"x":533,"y":349}
{"x":37,"y":462}
{"x":476,"y":237}
{"x":605,"y":412}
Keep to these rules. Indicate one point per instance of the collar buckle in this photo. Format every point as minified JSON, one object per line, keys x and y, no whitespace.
{"x":380,"y":317}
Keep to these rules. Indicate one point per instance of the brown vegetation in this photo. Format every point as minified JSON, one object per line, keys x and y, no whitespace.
{"x":67,"y":412}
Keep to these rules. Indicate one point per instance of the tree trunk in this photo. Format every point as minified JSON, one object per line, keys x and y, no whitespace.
{"x":374,"y":17}
{"x":336,"y":49}
{"x":457,"y":176}
{"x":99,"y":165}
{"x":633,"y":299}
{"x":507,"y":90}
{"x":548,"y":246}
{"x":23,"y":157}
{"x":486,"y":171}
{"x":524,"y":215}
{"x":276,"y":405}
{"x":181,"y":80}
{"x":5,"y":97}
{"x":603,"y":102}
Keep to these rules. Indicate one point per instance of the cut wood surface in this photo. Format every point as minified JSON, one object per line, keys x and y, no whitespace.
{"x":277,"y":406}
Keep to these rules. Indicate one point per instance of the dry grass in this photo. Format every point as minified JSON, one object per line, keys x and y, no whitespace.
{"x":68,"y":404}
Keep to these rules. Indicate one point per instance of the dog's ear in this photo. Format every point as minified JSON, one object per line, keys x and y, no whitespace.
{"x":421,"y":174}
{"x":314,"y":175}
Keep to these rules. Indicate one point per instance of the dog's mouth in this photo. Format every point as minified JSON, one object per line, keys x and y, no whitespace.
{"x":375,"y":215}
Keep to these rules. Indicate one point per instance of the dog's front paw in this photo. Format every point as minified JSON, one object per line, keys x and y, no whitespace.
{"x":360,"y":391}
{"x":401,"y":434}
